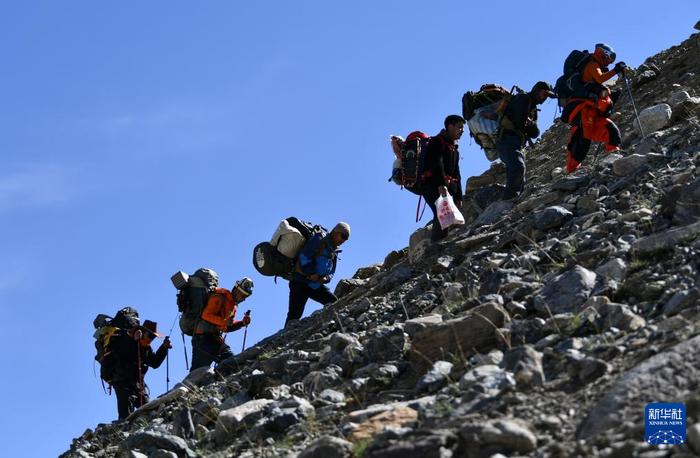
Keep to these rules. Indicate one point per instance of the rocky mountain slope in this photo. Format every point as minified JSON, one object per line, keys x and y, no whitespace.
{"x":541,"y":328}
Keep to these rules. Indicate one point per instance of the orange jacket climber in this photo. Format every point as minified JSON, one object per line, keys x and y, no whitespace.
{"x":596,"y":70}
{"x":589,"y":122}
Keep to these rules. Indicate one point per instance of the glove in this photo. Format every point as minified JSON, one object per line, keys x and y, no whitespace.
{"x":620,"y":67}
{"x":167,"y":344}
{"x":246,"y":320}
{"x":137,"y":334}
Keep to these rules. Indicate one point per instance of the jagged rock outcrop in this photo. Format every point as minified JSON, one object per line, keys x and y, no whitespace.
{"x":540,"y":328}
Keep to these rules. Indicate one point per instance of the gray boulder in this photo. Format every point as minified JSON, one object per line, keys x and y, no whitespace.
{"x":327,"y":447}
{"x":494,"y":212}
{"x":477,"y":331}
{"x":615,"y":269}
{"x":317,"y":381}
{"x":154,"y":440}
{"x":566,"y":292}
{"x":231,"y":420}
{"x":551,"y":218}
{"x":348,"y":285}
{"x":339,"y":341}
{"x":665,"y":240}
{"x":526,"y":364}
{"x":483,"y":440}
{"x":333,"y":396}
{"x":394,"y":258}
{"x":570,"y":183}
{"x":681,"y":300}
{"x":488,"y":379}
{"x":680,"y":97}
{"x":387,"y":343}
{"x":628,"y":164}
{"x":654,"y":118}
{"x":687,"y":208}
{"x":534,"y":202}
{"x":416,"y":324}
{"x":418,"y":243}
{"x":285,"y":413}
{"x":436,"y":378}
{"x":602,"y":315}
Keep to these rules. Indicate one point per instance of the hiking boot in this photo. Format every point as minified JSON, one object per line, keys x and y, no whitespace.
{"x":571,"y":164}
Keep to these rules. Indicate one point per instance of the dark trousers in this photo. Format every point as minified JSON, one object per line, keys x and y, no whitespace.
{"x":431,"y":194}
{"x":300,"y":293}
{"x":510,"y":151}
{"x":208,"y":348}
{"x":128,"y":398}
{"x":579,"y":145}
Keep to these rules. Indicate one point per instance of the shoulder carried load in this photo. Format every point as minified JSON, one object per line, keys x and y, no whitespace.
{"x":193,"y":293}
{"x":409,"y":164}
{"x":277,"y":257}
{"x":570,"y":83}
{"x":483,"y":111}
{"x":106,"y":330}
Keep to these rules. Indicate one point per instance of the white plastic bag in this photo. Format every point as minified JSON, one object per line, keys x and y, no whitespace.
{"x":448,"y":213}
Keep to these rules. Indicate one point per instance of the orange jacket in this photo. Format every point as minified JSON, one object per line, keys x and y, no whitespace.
{"x":593,"y":73}
{"x":219,"y":313}
{"x":594,"y":122}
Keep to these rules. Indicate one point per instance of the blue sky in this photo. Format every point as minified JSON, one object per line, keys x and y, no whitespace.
{"x":141,"y":138}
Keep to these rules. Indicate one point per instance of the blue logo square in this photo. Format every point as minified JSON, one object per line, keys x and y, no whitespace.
{"x":664,"y":423}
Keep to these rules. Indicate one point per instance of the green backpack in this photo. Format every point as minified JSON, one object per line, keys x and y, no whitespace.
{"x":193,"y":293}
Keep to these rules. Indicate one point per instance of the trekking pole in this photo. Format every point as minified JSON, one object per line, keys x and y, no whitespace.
{"x":634,"y":106}
{"x":138,"y":353}
{"x":184,"y":348}
{"x":245,"y":333}
{"x":167,"y":356}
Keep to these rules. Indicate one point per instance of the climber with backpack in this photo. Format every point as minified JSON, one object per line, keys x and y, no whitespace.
{"x":216,"y":319}
{"x":408,"y":167}
{"x":278,"y":257}
{"x":442,"y":175}
{"x":127,"y":355}
{"x":518,"y":126}
{"x":587,"y":102}
{"x":314,"y":269}
{"x":482,"y":110}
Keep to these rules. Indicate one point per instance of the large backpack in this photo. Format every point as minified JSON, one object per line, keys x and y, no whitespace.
{"x":107,"y":329}
{"x":483,"y":111}
{"x":570,"y":83}
{"x":409,"y":165}
{"x":192,"y":295}
{"x":278,"y":257}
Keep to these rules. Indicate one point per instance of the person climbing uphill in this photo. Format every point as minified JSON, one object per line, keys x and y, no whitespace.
{"x":442,"y":173}
{"x":133,"y":356}
{"x":314,"y":269}
{"x":596,"y":70}
{"x":218,"y":317}
{"x":588,"y":113}
{"x":519,"y":124}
